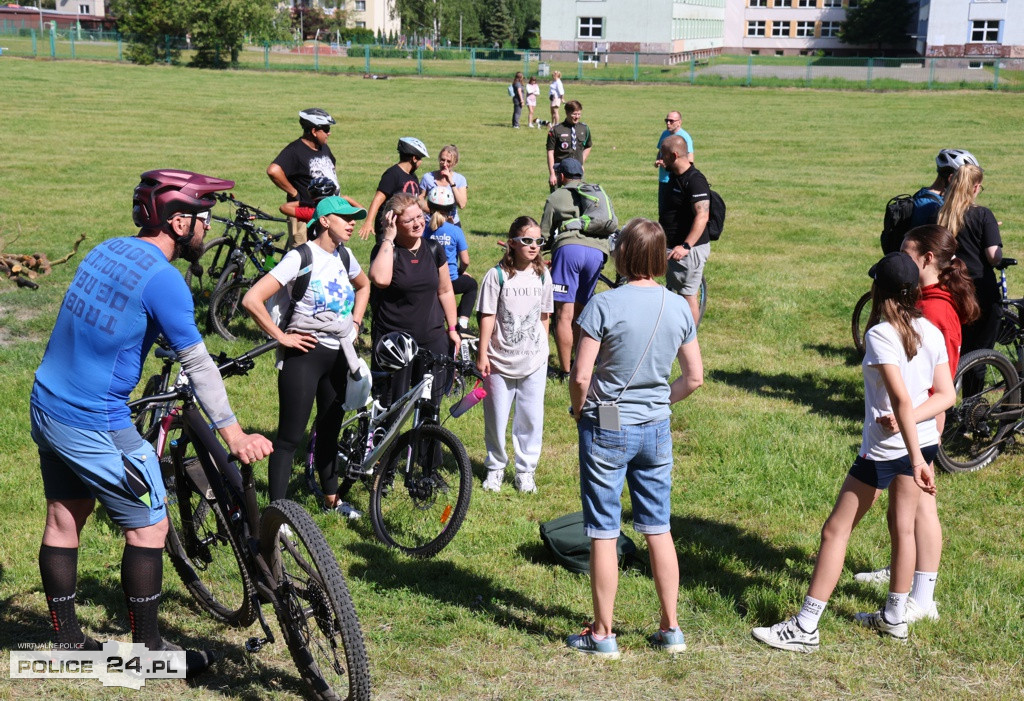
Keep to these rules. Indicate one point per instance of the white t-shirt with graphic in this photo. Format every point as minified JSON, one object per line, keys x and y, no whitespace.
{"x":330,"y":287}
{"x":883,"y":347}
{"x":519,"y":345}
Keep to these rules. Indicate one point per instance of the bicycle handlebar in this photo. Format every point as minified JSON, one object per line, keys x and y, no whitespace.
{"x":246,"y":208}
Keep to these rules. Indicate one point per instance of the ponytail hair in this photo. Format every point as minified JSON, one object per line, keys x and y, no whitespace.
{"x":959,"y":198}
{"x":900,"y":310}
{"x":953,"y":275}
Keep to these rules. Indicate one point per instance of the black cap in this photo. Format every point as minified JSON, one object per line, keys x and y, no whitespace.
{"x":895,"y":273}
{"x":570,"y":168}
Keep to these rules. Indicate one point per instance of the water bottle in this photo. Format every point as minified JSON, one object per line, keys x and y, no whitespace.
{"x":269,"y":262}
{"x":471,"y":399}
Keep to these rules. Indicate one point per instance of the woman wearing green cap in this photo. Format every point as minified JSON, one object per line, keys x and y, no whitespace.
{"x":316,"y":340}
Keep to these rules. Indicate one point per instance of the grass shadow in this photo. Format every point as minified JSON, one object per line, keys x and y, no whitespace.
{"x":825,"y":396}
{"x":847,"y":354}
{"x":449,"y":584}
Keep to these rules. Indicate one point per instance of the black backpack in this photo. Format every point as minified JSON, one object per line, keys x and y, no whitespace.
{"x":716,"y":218}
{"x":898,"y":213}
{"x":569,"y":545}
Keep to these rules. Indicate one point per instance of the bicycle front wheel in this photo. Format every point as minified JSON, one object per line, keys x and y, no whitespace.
{"x":702,"y":295}
{"x":986,"y":385}
{"x":201,"y":544}
{"x":151,"y":415}
{"x":859,"y":322}
{"x":421,"y":491}
{"x":314,"y":607}
{"x":227,"y":317}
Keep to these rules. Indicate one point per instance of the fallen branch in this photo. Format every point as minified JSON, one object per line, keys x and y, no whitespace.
{"x":24,"y":268}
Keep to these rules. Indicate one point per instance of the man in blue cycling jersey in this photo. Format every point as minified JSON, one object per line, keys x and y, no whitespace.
{"x":124,"y":293}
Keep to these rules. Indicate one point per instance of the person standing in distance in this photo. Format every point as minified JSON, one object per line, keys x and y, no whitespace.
{"x":684,"y":215}
{"x":399,"y":178}
{"x":301,"y":161}
{"x":568,"y":139}
{"x":518,"y":99}
{"x":124,"y":294}
{"x":673,"y":127}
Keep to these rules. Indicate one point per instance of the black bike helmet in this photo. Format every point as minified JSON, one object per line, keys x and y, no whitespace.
{"x":395,"y":350}
{"x":314,"y":117}
{"x":163,"y":193}
{"x":321,"y":187}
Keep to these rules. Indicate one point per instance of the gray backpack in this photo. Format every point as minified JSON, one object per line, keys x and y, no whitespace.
{"x":597,"y":216}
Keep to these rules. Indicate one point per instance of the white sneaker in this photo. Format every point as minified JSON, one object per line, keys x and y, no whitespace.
{"x":876,"y":621}
{"x":916,"y":613}
{"x":345,"y":510}
{"x":525,"y":484}
{"x":787,"y":635}
{"x":876,"y":577}
{"x":492,"y":483}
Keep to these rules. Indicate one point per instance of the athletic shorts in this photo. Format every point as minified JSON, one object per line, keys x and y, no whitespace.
{"x":117,"y":468}
{"x":575,"y":269}
{"x":683,"y":276}
{"x":880,"y":473}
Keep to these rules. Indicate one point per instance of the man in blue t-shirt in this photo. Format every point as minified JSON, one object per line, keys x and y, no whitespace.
{"x":124,"y":293}
{"x":673,"y":127}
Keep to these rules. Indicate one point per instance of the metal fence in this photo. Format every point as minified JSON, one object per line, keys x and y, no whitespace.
{"x":795,"y":71}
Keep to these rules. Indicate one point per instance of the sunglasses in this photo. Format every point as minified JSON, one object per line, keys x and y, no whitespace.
{"x":326,"y":129}
{"x":670,"y":121}
{"x":204,"y":217}
{"x":529,"y":241}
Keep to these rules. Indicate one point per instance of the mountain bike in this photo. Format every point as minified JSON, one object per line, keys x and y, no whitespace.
{"x":420,"y":479}
{"x":988,"y":413}
{"x":233,"y":559}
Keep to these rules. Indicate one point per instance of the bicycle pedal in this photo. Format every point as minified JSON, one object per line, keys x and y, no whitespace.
{"x":255,"y":644}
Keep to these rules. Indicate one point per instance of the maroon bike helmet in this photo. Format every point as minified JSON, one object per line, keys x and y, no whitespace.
{"x":163,"y":193}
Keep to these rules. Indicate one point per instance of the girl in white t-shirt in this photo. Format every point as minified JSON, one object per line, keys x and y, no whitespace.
{"x":905,"y":358}
{"x":515,"y":306}
{"x":532,"y":91}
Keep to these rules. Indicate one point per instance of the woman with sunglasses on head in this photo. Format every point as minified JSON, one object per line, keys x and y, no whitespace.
{"x":905,"y":362}
{"x":980,"y":247}
{"x":316,"y":342}
{"x":413,"y":291}
{"x":515,"y":307}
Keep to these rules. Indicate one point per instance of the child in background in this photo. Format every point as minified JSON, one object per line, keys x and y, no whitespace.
{"x":515,"y":308}
{"x":556,"y":94}
{"x":532,"y":91}
{"x":442,"y":228}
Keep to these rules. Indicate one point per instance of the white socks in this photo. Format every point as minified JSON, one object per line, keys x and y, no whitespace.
{"x":896,"y":607}
{"x":923,"y":591}
{"x":809,"y":615}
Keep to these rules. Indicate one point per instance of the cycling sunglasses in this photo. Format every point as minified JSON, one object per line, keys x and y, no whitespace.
{"x":529,"y":241}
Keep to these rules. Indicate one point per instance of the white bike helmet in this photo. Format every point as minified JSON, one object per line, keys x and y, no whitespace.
{"x":315,"y":117}
{"x":441,"y":197}
{"x":395,"y":350}
{"x":954,"y":158}
{"x":412,"y":146}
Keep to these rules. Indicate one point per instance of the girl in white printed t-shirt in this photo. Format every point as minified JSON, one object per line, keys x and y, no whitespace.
{"x":905,"y":358}
{"x":515,"y":306}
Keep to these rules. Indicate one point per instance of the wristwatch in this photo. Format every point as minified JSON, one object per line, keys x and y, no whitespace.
{"x":686,"y":246}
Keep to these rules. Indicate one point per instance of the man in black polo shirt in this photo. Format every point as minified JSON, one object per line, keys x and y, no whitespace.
{"x":683,"y":214}
{"x":568,"y":139}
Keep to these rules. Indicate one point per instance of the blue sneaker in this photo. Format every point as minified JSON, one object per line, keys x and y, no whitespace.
{"x":668,"y":640}
{"x":607,"y":649}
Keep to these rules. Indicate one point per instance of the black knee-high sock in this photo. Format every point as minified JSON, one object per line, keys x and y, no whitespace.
{"x":59,"y":570}
{"x":141,"y":578}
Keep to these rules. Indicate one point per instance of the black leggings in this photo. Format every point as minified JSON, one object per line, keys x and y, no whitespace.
{"x":322,"y":373}
{"x":466,"y":286}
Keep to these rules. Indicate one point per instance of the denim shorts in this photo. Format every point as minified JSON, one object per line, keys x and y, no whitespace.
{"x":575,"y":269}
{"x":116,"y":467}
{"x":880,"y":473}
{"x":639,"y":454}
{"x":683,"y":276}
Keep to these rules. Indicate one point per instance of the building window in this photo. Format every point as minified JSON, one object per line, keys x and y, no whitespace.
{"x":758,"y":3}
{"x":805,"y":29}
{"x":830,"y":29}
{"x":807,"y":3}
{"x":84,"y":10}
{"x":755,"y":28}
{"x":783,"y":3}
{"x":360,"y":25}
{"x":833,"y":3}
{"x":591,"y":27}
{"x":360,"y":5}
{"x":780,"y":29}
{"x":985,"y":31}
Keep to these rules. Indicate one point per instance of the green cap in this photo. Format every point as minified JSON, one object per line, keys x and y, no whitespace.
{"x":336,"y":205}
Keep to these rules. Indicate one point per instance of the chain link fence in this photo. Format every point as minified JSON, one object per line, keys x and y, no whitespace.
{"x":376,"y":60}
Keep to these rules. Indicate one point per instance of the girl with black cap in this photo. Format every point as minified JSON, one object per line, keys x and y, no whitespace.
{"x":906,"y":357}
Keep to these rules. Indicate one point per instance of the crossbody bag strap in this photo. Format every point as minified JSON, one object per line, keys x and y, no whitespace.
{"x":644,"y":354}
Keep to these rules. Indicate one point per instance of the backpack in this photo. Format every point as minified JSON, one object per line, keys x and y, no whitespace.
{"x":282,"y":305}
{"x":569,"y":545}
{"x":716,"y":218}
{"x":511,"y":90}
{"x":597,"y":216}
{"x":898,"y":213}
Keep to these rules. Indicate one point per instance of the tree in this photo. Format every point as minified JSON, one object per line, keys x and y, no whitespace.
{"x":878,"y":23}
{"x":498,"y":26}
{"x":147,"y":24}
{"x":219,"y":28}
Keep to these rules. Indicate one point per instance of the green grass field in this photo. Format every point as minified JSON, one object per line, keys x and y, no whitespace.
{"x":761,"y":449}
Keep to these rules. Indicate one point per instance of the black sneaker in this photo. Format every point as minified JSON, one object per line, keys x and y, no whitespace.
{"x":196,"y":661}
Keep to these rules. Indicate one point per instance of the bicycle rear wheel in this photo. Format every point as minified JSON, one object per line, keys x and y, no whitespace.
{"x":227,"y":317}
{"x":986,"y":384}
{"x":859,"y":322}
{"x":702,"y":296}
{"x":421,"y":491}
{"x":151,"y":415}
{"x":202,"y":276}
{"x":200,"y":543}
{"x":314,"y":607}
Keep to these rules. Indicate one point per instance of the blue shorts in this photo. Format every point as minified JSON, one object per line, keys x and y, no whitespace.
{"x":640,"y":454}
{"x":880,"y":473}
{"x":575,"y":269}
{"x":118,"y":468}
